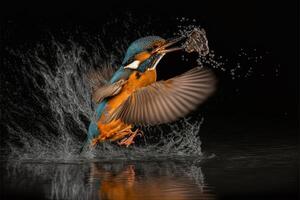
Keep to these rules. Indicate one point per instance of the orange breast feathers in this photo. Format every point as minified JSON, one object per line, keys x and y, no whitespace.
{"x":135,"y":81}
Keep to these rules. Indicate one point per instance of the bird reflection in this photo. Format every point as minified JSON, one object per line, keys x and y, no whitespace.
{"x":131,"y":182}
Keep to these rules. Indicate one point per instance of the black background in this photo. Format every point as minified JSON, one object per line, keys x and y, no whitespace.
{"x":267,"y":26}
{"x":263,"y":104}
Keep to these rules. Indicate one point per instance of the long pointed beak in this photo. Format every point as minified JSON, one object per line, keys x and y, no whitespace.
{"x":170,"y":50}
{"x":163,"y":49}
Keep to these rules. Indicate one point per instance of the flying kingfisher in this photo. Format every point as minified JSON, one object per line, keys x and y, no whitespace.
{"x":132,"y":96}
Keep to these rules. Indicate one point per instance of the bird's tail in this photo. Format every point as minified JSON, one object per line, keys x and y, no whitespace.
{"x":93,"y":132}
{"x":85,"y":145}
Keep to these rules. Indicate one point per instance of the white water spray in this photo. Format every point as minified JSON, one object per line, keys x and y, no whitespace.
{"x":60,"y":86}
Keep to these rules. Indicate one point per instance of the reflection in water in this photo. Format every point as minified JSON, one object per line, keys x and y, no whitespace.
{"x":147,"y":181}
{"x":111,"y":181}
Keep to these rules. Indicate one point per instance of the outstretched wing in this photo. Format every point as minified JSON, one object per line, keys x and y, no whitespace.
{"x":166,"y":101}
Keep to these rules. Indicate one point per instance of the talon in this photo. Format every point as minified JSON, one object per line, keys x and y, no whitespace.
{"x":95,"y":141}
{"x":122,"y":141}
{"x":128,"y":141}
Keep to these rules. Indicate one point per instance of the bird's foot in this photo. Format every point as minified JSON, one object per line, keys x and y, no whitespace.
{"x":95,"y":141}
{"x":129,"y":140}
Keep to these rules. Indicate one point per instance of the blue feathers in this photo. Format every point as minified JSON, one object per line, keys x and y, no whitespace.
{"x":93,"y":131}
{"x":100,"y":108}
{"x":139,"y":45}
{"x":119,"y":74}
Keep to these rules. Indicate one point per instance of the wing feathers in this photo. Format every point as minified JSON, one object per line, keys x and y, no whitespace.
{"x":166,"y":101}
{"x":99,"y":77}
{"x":107,"y":91}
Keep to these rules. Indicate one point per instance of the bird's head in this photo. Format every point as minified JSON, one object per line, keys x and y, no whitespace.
{"x":145,"y":53}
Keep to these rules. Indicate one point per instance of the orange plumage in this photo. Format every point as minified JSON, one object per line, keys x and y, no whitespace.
{"x":116,"y":129}
{"x":132,"y":96}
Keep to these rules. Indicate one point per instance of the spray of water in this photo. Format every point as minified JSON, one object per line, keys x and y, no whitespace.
{"x":58,"y":86}
{"x":50,"y":107}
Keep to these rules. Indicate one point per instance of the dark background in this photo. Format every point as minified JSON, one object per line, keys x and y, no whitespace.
{"x":242,"y":110}
{"x":269,"y":27}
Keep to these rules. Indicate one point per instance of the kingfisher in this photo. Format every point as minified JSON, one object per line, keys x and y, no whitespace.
{"x":132,"y":96}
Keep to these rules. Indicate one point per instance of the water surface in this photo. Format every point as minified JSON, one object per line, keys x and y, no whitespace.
{"x":234,"y":171}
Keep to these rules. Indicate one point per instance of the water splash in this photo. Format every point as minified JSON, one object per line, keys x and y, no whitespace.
{"x":197,"y":42}
{"x":242,"y":64}
{"x":50,"y":107}
{"x":57,"y":85}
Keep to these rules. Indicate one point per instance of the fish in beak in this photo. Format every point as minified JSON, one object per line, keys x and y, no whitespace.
{"x":195,"y":41}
